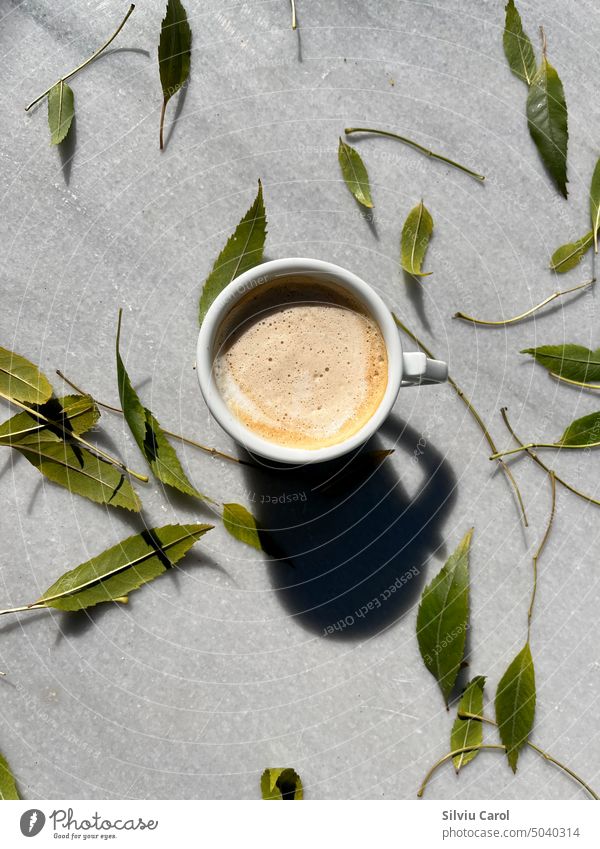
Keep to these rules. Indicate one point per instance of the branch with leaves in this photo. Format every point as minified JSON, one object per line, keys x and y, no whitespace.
{"x":61,"y":100}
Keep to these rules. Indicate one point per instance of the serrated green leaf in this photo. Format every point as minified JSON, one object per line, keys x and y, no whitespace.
{"x":72,"y":413}
{"x":61,"y":110}
{"x":568,"y":256}
{"x":241,"y":524}
{"x":415,"y":239}
{"x":595,"y":203}
{"x":150,"y":437}
{"x":355,"y":174}
{"x":174,"y":53}
{"x":547,"y":121}
{"x":515,"y":704}
{"x":123,"y":568}
{"x":443,"y":618}
{"x":517,"y":46}
{"x":280,"y":784}
{"x":584,"y":431}
{"x":571,"y":361}
{"x":21,"y":380}
{"x":79,"y":470}
{"x":8,"y":787}
{"x":244,"y":250}
{"x":468,"y":732}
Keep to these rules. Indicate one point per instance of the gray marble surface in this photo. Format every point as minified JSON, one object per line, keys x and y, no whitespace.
{"x":223,"y":668}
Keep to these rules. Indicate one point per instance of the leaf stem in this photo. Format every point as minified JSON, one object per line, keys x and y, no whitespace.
{"x":212,"y":451}
{"x":529,"y":312}
{"x":294,"y":23}
{"x":87,"y":61}
{"x":162,"y":121}
{"x":545,"y":755}
{"x":416,"y":146}
{"x":538,"y":553}
{"x":453,"y":754}
{"x":71,"y":435}
{"x":558,"y":445}
{"x":474,"y":413}
{"x":543,"y":466}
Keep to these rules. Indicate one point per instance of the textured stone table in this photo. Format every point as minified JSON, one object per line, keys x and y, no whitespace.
{"x":216,"y":671}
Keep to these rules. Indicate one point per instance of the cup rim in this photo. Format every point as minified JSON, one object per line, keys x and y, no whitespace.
{"x":226,"y":300}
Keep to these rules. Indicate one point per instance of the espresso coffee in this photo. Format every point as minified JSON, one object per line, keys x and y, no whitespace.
{"x":301,"y":363}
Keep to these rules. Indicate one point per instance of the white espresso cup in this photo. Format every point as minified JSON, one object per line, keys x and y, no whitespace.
{"x":404,"y":369}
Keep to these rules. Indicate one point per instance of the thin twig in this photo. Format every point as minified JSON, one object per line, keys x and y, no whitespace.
{"x":527,"y":313}
{"x":213,"y":451}
{"x":416,"y":146}
{"x":543,"y":466}
{"x":87,"y":61}
{"x":475,"y":415}
{"x":453,"y":754}
{"x":557,"y":445}
{"x":545,"y":755}
{"x":538,"y":553}
{"x":294,"y":23}
{"x":72,"y":435}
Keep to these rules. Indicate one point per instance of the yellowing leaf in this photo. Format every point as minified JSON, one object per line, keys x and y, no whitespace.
{"x":570,"y":255}
{"x":443,"y":616}
{"x":415,"y":239}
{"x":61,"y":109}
{"x":241,"y":524}
{"x":79,"y":470}
{"x":515,"y":704}
{"x":71,"y":413}
{"x":125,"y":567}
{"x":21,"y":380}
{"x":466,"y":731}
{"x":355,"y":174}
{"x":244,"y":250}
{"x":174,"y":54}
{"x":517,"y":46}
{"x":8,"y":787}
{"x":547,"y":121}
{"x":281,"y":784}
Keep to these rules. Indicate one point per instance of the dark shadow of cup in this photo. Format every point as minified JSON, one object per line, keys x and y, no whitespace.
{"x":350,"y":544}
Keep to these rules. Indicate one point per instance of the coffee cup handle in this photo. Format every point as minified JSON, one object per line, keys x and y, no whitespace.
{"x":419,"y":370}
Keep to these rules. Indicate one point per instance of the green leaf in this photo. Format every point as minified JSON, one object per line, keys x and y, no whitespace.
{"x":595,"y":203}
{"x":568,"y":256}
{"x":571,"y":361}
{"x":123,"y":568}
{"x":61,"y":110}
{"x":355,"y":174}
{"x":547,"y":120}
{"x":21,"y":380}
{"x":515,"y":704}
{"x":244,"y":250}
{"x":443,"y":617}
{"x":174,"y":53}
{"x":517,"y":46}
{"x":8,"y":787}
{"x":280,"y":784}
{"x":150,"y":437}
{"x":241,"y":524}
{"x":79,"y":471}
{"x":415,"y":239}
{"x":468,"y":732}
{"x":583,"y":431}
{"x":72,"y":413}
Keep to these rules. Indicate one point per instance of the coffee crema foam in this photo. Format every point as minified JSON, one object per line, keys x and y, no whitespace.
{"x":301,"y":363}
